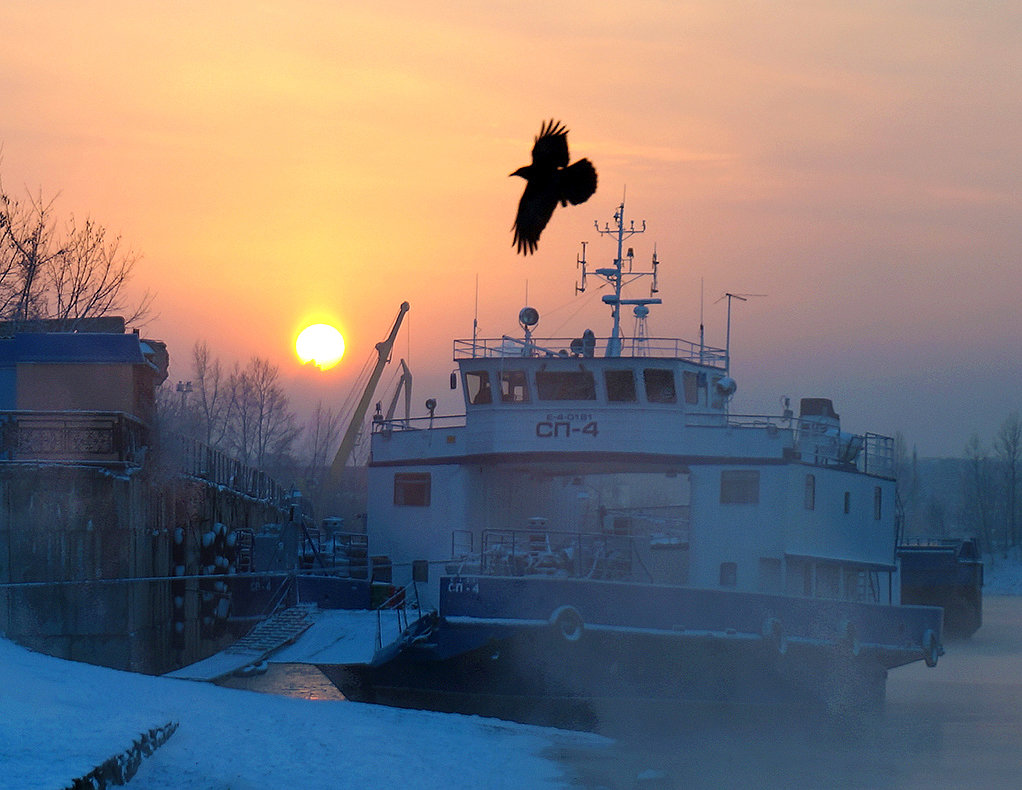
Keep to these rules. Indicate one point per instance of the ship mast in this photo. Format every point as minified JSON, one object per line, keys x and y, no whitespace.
{"x":615,"y":276}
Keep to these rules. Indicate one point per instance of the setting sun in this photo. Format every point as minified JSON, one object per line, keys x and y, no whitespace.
{"x":320,"y":344}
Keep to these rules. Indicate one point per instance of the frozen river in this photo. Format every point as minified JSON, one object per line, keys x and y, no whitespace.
{"x":958,"y":725}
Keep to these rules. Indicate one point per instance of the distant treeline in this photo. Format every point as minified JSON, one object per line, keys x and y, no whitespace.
{"x":975,"y":495}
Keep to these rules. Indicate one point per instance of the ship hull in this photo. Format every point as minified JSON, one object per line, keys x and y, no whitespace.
{"x":561,"y":651}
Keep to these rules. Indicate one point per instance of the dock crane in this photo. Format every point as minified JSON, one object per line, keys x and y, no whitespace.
{"x":383,"y":351}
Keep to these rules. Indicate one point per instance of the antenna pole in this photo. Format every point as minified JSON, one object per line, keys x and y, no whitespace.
{"x":475,"y":317}
{"x":702,"y":345}
{"x":727,"y":345}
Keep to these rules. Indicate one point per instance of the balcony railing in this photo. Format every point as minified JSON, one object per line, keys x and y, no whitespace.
{"x":99,"y":438}
{"x":72,"y":437}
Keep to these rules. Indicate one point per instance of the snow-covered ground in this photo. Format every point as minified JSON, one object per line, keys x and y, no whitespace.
{"x":1002,"y":576}
{"x":59,"y":720}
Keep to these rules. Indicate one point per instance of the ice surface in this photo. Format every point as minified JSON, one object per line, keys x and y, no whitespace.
{"x":60,"y":719}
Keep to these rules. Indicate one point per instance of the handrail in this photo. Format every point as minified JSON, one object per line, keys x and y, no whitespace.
{"x":661,"y":347}
{"x":202,"y":462}
{"x":72,"y":437}
{"x":521,"y":552}
{"x":418,"y":423}
{"x":396,"y":603}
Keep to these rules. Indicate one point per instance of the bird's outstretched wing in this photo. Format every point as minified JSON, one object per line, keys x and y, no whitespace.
{"x":534,"y":211}
{"x":551,"y":147}
{"x":578,"y":183}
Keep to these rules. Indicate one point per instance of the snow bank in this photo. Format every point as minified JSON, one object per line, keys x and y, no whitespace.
{"x":1002,"y":576}
{"x":61,"y":719}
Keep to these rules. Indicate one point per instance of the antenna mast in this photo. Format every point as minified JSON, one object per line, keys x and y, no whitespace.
{"x":727,"y":344}
{"x":615,"y":275}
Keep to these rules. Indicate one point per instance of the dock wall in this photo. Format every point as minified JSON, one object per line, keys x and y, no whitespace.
{"x":86,"y":542}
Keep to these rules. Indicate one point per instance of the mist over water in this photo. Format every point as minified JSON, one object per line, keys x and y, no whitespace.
{"x":958,"y":725}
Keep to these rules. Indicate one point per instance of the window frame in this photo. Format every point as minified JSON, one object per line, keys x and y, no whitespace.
{"x":413,"y":489}
{"x":739,"y":486}
{"x":565,"y":385}
{"x":628,"y":390}
{"x":664,"y":391}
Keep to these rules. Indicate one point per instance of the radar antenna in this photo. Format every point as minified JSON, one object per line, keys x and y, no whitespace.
{"x":615,"y":275}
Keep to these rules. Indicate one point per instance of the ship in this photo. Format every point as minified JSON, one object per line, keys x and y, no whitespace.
{"x":599,"y":525}
{"x":944,"y":572}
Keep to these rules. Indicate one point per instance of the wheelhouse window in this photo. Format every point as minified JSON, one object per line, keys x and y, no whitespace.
{"x":739,"y":487}
{"x":810,"y":492}
{"x":660,"y":385}
{"x":620,"y":385}
{"x":514,"y":386}
{"x":690,"y":386}
{"x":728,"y":574}
{"x":412,"y":489}
{"x":477,"y":387}
{"x":565,"y":385}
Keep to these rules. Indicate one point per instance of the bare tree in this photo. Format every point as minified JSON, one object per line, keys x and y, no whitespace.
{"x":1008,"y":446}
{"x":212,"y":400}
{"x":263,"y":427}
{"x":906,"y":471}
{"x":322,"y":436}
{"x":979,"y":490}
{"x":88,"y":277}
{"x":28,"y":245}
{"x":65,"y":273}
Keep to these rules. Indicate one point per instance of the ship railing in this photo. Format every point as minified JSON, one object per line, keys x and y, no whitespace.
{"x":395,"y":610}
{"x":879,"y":455}
{"x":525,"y":552}
{"x":662,"y":347}
{"x":869,"y":453}
{"x":418,"y":423}
{"x":715,"y":419}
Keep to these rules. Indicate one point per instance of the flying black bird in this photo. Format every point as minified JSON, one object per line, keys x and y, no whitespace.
{"x":549,"y":180}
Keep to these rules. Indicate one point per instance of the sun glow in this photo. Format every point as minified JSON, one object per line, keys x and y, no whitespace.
{"x":320,"y":344}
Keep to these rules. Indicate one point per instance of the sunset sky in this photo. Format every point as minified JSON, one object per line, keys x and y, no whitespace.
{"x":283,"y":163}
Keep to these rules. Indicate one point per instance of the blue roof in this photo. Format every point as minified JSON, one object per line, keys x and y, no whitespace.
{"x":62,"y":348}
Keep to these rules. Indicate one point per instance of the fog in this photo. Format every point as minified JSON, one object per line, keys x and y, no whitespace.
{"x":957,"y":725}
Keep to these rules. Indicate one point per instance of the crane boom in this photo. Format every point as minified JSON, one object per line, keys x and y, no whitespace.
{"x":351,"y":434}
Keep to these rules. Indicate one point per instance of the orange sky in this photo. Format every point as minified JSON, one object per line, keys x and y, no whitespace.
{"x":278,"y":163}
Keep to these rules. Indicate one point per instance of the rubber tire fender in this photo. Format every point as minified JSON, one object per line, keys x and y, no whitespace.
{"x":567,"y":623}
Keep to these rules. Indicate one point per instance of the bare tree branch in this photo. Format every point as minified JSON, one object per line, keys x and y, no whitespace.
{"x":66,"y":274}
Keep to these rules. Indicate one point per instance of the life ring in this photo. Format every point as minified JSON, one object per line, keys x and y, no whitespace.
{"x":931,"y":648}
{"x":773,"y":633}
{"x":567,"y":623}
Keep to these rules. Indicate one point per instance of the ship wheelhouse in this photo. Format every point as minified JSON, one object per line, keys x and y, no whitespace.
{"x":543,"y":379}
{"x":642,"y":448}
